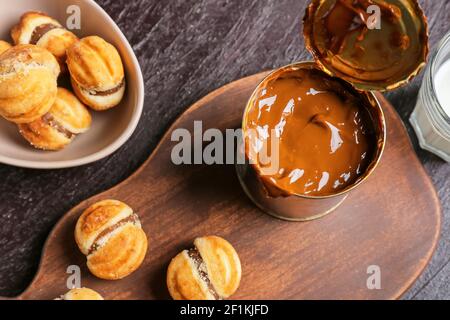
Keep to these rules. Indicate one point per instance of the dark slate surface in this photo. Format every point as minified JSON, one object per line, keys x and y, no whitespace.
{"x":188,"y":48}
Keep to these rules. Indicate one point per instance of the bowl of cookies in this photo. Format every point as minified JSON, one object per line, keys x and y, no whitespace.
{"x":71,"y":88}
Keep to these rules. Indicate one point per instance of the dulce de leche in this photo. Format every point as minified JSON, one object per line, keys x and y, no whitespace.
{"x":324,"y":134}
{"x":373,"y":44}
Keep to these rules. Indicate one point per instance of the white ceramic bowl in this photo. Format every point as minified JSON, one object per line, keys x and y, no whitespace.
{"x":110,"y":129}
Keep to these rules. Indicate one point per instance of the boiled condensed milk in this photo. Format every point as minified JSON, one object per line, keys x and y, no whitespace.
{"x":325,"y":135}
{"x":309,"y":138}
{"x":314,"y":131}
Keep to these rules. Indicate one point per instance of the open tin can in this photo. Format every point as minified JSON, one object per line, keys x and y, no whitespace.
{"x":358,"y":46}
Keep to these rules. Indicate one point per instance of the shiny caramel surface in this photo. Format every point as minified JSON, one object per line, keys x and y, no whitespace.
{"x":374,"y":44}
{"x":324,"y":133}
{"x":348,"y":17}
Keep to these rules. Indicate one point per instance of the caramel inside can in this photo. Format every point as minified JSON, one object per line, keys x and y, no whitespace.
{"x":309,"y":134}
{"x":315,"y":129}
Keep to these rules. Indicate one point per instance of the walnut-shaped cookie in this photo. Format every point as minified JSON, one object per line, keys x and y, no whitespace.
{"x":96,"y":72}
{"x":28,"y":83}
{"x":39,"y":29}
{"x":211,"y":270}
{"x":109,"y":233}
{"x":66,"y":119}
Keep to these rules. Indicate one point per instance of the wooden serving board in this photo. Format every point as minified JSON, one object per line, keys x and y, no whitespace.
{"x":392,"y":221}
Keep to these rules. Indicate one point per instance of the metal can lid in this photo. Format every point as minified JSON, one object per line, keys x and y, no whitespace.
{"x":373,"y":44}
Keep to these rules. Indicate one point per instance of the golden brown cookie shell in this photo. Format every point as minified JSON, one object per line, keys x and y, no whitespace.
{"x":22,"y":31}
{"x":82,"y":294}
{"x":4,"y":46}
{"x":43,"y":137}
{"x":122,"y":255}
{"x":113,"y":241}
{"x":68,"y":118}
{"x":95,"y":64}
{"x":70,"y":112}
{"x":95,"y":218}
{"x":225,"y":277}
{"x":28,"y":83}
{"x":186,"y":279}
{"x":182,"y":282}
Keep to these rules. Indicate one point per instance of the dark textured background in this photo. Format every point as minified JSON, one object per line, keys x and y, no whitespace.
{"x":188,"y":48}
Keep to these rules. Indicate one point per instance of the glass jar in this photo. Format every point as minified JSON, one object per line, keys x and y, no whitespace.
{"x":429,"y":119}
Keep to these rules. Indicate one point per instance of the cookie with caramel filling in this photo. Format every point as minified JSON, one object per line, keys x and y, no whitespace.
{"x":39,"y":29}
{"x":211,"y":270}
{"x":28,"y":83}
{"x":67,"y":118}
{"x":109,"y":233}
{"x":96,"y":72}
